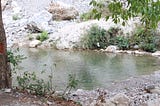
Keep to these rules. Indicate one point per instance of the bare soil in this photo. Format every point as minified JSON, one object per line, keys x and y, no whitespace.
{"x":16,"y":98}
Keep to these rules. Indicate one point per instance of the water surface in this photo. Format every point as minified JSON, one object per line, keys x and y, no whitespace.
{"x":92,"y":69}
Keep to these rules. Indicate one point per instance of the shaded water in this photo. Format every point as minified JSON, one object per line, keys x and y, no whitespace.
{"x":92,"y":69}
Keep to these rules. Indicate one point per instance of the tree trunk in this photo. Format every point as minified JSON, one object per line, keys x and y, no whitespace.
{"x":5,"y":72}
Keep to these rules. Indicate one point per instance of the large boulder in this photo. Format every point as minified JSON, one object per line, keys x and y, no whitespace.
{"x":154,"y":102}
{"x":111,"y":49}
{"x":157,"y":53}
{"x":34,"y":43}
{"x":61,"y":11}
{"x":120,"y":100}
{"x":39,"y":22}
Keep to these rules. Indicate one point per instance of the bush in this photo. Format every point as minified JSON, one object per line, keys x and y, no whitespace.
{"x":43,"y":36}
{"x":86,"y":16}
{"x":95,"y":38}
{"x":90,"y":14}
{"x":145,"y":39}
{"x":15,"y":17}
{"x":99,"y":38}
{"x":30,"y":82}
{"x":122,"y":42}
{"x":148,"y":47}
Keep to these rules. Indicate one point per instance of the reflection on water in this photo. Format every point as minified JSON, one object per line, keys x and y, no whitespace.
{"x":92,"y":69}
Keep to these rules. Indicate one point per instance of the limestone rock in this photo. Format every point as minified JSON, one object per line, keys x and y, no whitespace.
{"x":7,"y":90}
{"x":156,"y":90}
{"x":157,"y":53}
{"x":39,"y":22}
{"x":107,"y":103}
{"x":5,"y":4}
{"x":111,"y":49}
{"x":135,"y":47}
{"x":34,"y":43}
{"x":120,"y":100}
{"x":61,"y":11}
{"x":155,"y":102}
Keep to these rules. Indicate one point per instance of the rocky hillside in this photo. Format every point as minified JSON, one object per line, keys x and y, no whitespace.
{"x":25,"y":19}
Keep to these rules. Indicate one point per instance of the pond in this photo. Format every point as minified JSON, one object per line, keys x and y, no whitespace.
{"x":92,"y":69}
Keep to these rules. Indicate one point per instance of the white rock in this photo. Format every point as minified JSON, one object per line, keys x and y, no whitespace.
{"x":39,"y":22}
{"x":78,"y":92}
{"x":61,"y":11}
{"x":7,"y":90}
{"x":109,"y":103}
{"x":34,"y":43}
{"x":16,"y":8}
{"x":120,"y":100}
{"x":157,"y":53}
{"x":111,"y":49}
{"x":155,"y":102}
{"x":49,"y":103}
{"x":155,"y":91}
{"x":99,"y":103}
{"x":129,"y":52}
{"x":140,"y":52}
{"x":136,"y":47}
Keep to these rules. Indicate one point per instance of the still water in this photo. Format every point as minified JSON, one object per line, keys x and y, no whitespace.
{"x":92,"y":69}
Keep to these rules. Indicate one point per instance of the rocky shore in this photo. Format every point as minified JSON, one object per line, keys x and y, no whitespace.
{"x":136,"y":91}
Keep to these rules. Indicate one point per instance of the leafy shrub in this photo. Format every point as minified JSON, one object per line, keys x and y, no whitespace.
{"x":122,"y":42}
{"x":29,"y":81}
{"x":99,"y":38}
{"x":145,"y":39}
{"x":15,"y":17}
{"x":86,"y":16}
{"x":113,"y":32}
{"x":149,"y":47}
{"x":97,"y":12}
{"x":43,"y":36}
{"x":72,"y":83}
{"x":95,"y":38}
{"x":14,"y":59}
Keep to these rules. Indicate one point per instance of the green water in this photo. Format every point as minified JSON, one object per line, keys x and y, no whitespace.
{"x":92,"y":69}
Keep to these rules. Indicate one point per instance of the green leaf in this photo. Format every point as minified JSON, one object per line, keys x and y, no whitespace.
{"x":123,"y":23}
{"x":107,"y":17}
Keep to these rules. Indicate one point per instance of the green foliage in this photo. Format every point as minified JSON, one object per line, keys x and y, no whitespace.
{"x":30,"y":37}
{"x":25,"y":79}
{"x":98,"y":38}
{"x":15,"y":17}
{"x":72,"y":83}
{"x":145,"y":39}
{"x":149,"y":47}
{"x":86,"y":16}
{"x":14,"y":58}
{"x":99,"y":9}
{"x":95,"y":38}
{"x":29,"y":81}
{"x":122,"y":42}
{"x":148,"y":10}
{"x":89,"y":15}
{"x":43,"y":36}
